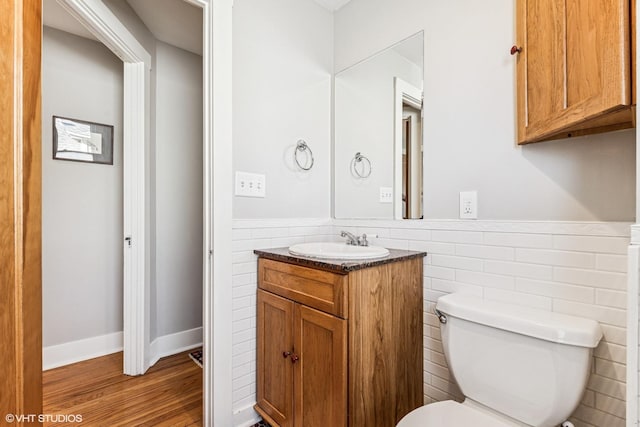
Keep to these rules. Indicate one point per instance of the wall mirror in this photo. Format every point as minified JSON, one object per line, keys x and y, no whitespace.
{"x":378,"y":119}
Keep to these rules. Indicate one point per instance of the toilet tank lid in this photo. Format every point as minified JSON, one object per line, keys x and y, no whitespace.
{"x":545,"y":325}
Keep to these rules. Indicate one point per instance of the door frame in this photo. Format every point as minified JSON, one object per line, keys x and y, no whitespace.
{"x":20,"y":211}
{"x":102,"y":23}
{"x":403,"y":92}
{"x":217,"y":197}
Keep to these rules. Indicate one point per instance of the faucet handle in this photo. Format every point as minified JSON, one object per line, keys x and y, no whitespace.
{"x":363,"y":240}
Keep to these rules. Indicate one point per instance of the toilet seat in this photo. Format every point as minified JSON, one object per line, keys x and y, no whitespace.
{"x":450,"y":414}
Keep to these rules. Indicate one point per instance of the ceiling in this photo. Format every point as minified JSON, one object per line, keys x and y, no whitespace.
{"x":175,"y":22}
{"x":54,"y":16}
{"x":332,"y":5}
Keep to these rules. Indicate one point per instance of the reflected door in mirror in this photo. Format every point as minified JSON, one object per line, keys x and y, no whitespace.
{"x":412,"y":162}
{"x":369,"y":101}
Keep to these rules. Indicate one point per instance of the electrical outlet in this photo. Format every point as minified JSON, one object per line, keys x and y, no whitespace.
{"x":250,"y":184}
{"x":468,"y":205}
{"x":386,"y":195}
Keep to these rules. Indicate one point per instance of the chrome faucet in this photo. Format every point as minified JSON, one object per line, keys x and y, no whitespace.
{"x":351,"y":238}
{"x":355,"y":240}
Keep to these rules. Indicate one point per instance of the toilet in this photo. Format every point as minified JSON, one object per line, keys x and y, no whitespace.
{"x":516,"y":366}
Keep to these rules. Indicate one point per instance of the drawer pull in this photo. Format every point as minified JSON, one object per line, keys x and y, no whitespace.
{"x":294,"y":358}
{"x":286,"y":354}
{"x":515,"y":49}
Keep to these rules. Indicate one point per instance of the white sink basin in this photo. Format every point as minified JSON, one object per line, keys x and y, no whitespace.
{"x":338,"y":251}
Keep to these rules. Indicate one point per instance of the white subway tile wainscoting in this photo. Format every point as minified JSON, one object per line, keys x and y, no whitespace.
{"x":577,"y":268}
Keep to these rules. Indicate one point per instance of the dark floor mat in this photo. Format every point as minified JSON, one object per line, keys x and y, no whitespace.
{"x":196,"y":356}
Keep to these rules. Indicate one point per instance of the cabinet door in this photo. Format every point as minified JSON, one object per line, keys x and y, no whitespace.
{"x":574,"y":67}
{"x":320,"y":374}
{"x":275,"y":336}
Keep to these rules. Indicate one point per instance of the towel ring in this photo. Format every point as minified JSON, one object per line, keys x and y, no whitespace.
{"x":359,"y":158}
{"x":300,"y":147}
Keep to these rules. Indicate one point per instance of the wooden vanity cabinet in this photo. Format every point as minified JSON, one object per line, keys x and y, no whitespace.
{"x":339,"y":348}
{"x":309,"y":358}
{"x":574,"y":69}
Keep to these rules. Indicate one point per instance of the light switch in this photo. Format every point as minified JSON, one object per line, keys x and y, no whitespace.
{"x":386,"y":195}
{"x":250,"y":184}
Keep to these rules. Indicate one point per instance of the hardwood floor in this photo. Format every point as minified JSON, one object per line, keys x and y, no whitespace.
{"x":169,"y":394}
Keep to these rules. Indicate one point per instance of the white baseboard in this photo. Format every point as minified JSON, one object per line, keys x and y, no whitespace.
{"x":168,"y":345}
{"x":76,"y":351}
{"x":245,"y":417}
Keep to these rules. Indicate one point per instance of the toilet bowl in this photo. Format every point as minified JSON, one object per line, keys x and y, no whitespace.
{"x":516,"y":366}
{"x":451,"y":414}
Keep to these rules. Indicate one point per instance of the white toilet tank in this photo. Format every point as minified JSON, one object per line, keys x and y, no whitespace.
{"x":528,"y":364}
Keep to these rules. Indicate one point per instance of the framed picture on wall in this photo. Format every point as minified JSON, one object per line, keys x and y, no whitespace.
{"x":82,"y":141}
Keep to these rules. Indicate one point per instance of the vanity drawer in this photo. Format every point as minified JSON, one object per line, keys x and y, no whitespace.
{"x":318,"y":289}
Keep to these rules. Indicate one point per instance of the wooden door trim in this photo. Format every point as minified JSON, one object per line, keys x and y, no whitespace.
{"x":20,"y":209}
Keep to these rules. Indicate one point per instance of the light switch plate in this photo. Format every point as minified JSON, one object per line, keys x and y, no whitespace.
{"x":250,"y":184}
{"x":386,"y":195}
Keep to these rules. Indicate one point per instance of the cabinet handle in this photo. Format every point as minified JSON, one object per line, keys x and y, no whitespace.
{"x":286,"y":354}
{"x":515,"y":49}
{"x":294,"y":358}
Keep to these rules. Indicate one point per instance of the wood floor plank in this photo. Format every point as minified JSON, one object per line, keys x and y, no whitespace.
{"x":169,"y":394}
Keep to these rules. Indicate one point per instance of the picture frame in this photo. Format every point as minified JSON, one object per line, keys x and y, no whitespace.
{"x":82,"y":141}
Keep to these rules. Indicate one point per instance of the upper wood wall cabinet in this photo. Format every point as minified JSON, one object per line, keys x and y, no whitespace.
{"x":574,"y":67}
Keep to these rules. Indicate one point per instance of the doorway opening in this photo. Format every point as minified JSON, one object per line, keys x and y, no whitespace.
{"x":217,"y":126}
{"x":412,"y":161}
{"x":161,"y":236}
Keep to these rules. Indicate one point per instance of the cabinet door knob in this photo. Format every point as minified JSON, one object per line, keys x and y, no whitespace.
{"x":286,"y":354}
{"x":515,"y":49}
{"x":294,"y":358}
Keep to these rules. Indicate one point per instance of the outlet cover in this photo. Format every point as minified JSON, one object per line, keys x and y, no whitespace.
{"x":468,"y":205}
{"x":250,"y":184}
{"x":386,"y":195}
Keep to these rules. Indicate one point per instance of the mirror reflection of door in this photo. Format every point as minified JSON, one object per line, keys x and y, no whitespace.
{"x":369,"y":100}
{"x":411,"y":162}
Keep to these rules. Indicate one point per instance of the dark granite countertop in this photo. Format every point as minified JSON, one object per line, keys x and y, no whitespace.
{"x":336,"y":265}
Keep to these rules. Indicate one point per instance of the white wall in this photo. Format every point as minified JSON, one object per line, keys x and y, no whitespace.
{"x":178,"y":169}
{"x":282,"y":66}
{"x":364,"y":122}
{"x":81,"y":202}
{"x":470,"y":117}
